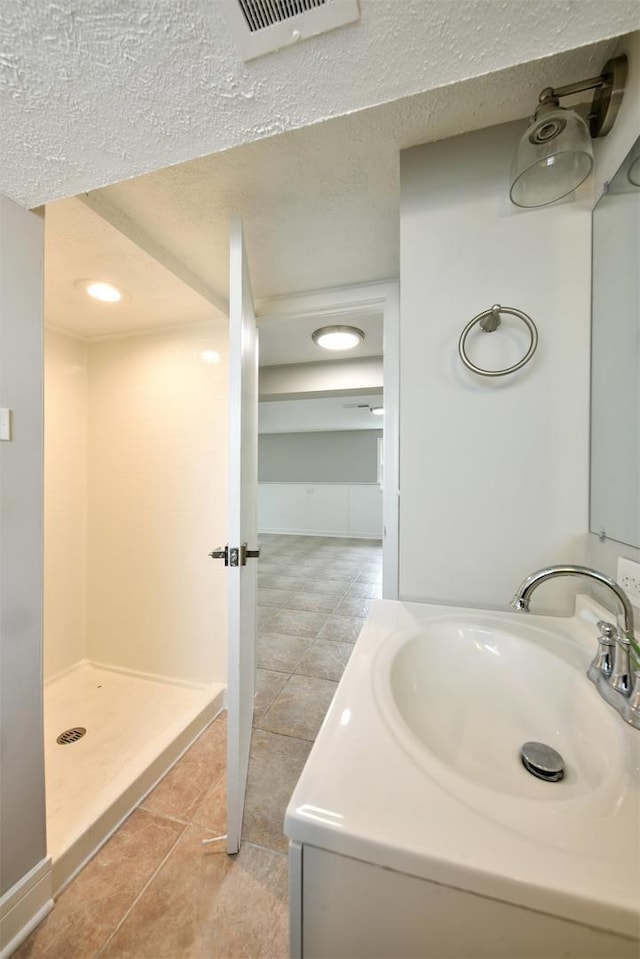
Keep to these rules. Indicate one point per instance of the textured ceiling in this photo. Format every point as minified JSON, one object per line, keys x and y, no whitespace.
{"x":103,"y":90}
{"x":320,"y":205}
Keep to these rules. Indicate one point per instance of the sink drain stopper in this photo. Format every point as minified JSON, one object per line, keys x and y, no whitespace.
{"x":542,"y":761}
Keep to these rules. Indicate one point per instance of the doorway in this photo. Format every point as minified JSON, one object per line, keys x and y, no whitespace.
{"x":306,"y":395}
{"x":134,"y":615}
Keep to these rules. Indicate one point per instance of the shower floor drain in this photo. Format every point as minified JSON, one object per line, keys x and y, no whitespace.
{"x":71,"y":735}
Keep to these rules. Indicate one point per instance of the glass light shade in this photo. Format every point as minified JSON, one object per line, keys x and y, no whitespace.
{"x":553,"y":158}
{"x":338,"y":337}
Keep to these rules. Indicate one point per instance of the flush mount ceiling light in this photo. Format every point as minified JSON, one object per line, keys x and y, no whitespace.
{"x":377,"y":410}
{"x":338,"y":337}
{"x":100,"y":290}
{"x":555,"y":155}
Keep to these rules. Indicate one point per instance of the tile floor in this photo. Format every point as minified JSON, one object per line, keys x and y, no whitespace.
{"x":154,"y":890}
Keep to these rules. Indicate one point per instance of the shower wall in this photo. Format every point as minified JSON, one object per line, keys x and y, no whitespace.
{"x":136,"y":497}
{"x":65,"y":498}
{"x":157,"y":503}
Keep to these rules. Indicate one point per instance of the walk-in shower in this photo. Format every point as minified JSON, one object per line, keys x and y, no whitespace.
{"x":135,"y":613}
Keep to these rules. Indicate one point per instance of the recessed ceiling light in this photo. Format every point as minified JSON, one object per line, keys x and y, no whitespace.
{"x":338,"y":337}
{"x":99,"y":290}
{"x":210,"y":356}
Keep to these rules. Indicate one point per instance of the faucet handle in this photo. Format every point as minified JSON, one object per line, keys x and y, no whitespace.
{"x":608,"y":632}
{"x":621,"y":678}
{"x":602,"y":664}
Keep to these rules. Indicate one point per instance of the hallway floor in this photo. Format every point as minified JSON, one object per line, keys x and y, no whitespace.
{"x":154,"y":890}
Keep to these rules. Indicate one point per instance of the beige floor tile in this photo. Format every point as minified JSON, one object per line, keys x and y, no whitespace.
{"x":271,"y":598}
{"x":212,"y":811}
{"x":268,"y":684}
{"x":274,"y":768}
{"x":326,"y":572}
{"x":300,"y":708}
{"x":372,"y":575}
{"x":99,"y":898}
{"x":332,"y":587}
{"x":312,"y":602}
{"x":275,"y":580}
{"x":325,"y":660}
{"x":341,"y":629}
{"x":297,"y":622}
{"x":182,"y":790}
{"x":299,"y":584}
{"x":374,"y":590}
{"x":265,"y":615}
{"x":359,"y":606}
{"x":204,"y":904}
{"x":281,"y":652}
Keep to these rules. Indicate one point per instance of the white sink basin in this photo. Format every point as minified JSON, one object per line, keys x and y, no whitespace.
{"x":417,"y":765}
{"x":472,"y":696}
{"x":462,"y":697}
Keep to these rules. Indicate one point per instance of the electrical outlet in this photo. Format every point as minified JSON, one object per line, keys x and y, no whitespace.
{"x":629,"y":579}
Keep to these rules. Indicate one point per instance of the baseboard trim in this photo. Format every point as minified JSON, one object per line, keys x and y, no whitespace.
{"x":25,"y":905}
{"x":337,"y":533}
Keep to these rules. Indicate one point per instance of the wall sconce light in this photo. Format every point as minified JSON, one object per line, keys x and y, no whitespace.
{"x":338,"y":337}
{"x":555,"y":154}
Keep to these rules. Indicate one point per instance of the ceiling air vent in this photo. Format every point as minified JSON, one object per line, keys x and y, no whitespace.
{"x":262,"y":26}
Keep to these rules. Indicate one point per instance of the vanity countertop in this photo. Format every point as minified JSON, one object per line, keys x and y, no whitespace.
{"x":366,"y":794}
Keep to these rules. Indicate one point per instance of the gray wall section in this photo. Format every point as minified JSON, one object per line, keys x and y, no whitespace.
{"x":341,"y":456}
{"x":22,"y":804}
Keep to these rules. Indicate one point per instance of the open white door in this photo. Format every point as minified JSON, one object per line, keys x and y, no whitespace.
{"x":240,"y":555}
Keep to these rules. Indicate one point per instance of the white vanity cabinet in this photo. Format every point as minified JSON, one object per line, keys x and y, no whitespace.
{"x":343,"y":908}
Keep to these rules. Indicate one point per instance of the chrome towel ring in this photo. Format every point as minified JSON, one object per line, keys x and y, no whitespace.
{"x":489,"y":321}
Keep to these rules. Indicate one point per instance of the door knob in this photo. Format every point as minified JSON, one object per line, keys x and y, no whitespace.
{"x":222,"y":552}
{"x":235,"y":556}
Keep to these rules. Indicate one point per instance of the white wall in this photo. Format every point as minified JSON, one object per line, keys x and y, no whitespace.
{"x":320,"y":414}
{"x":157,"y":503}
{"x":22,"y":823}
{"x":128,"y":582}
{"x":321,"y":509}
{"x":494,"y":474}
{"x":65,"y":498}
{"x":327,"y":377}
{"x":335,"y":456}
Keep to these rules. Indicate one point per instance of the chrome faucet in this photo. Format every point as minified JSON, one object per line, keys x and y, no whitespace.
{"x":617,"y":677}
